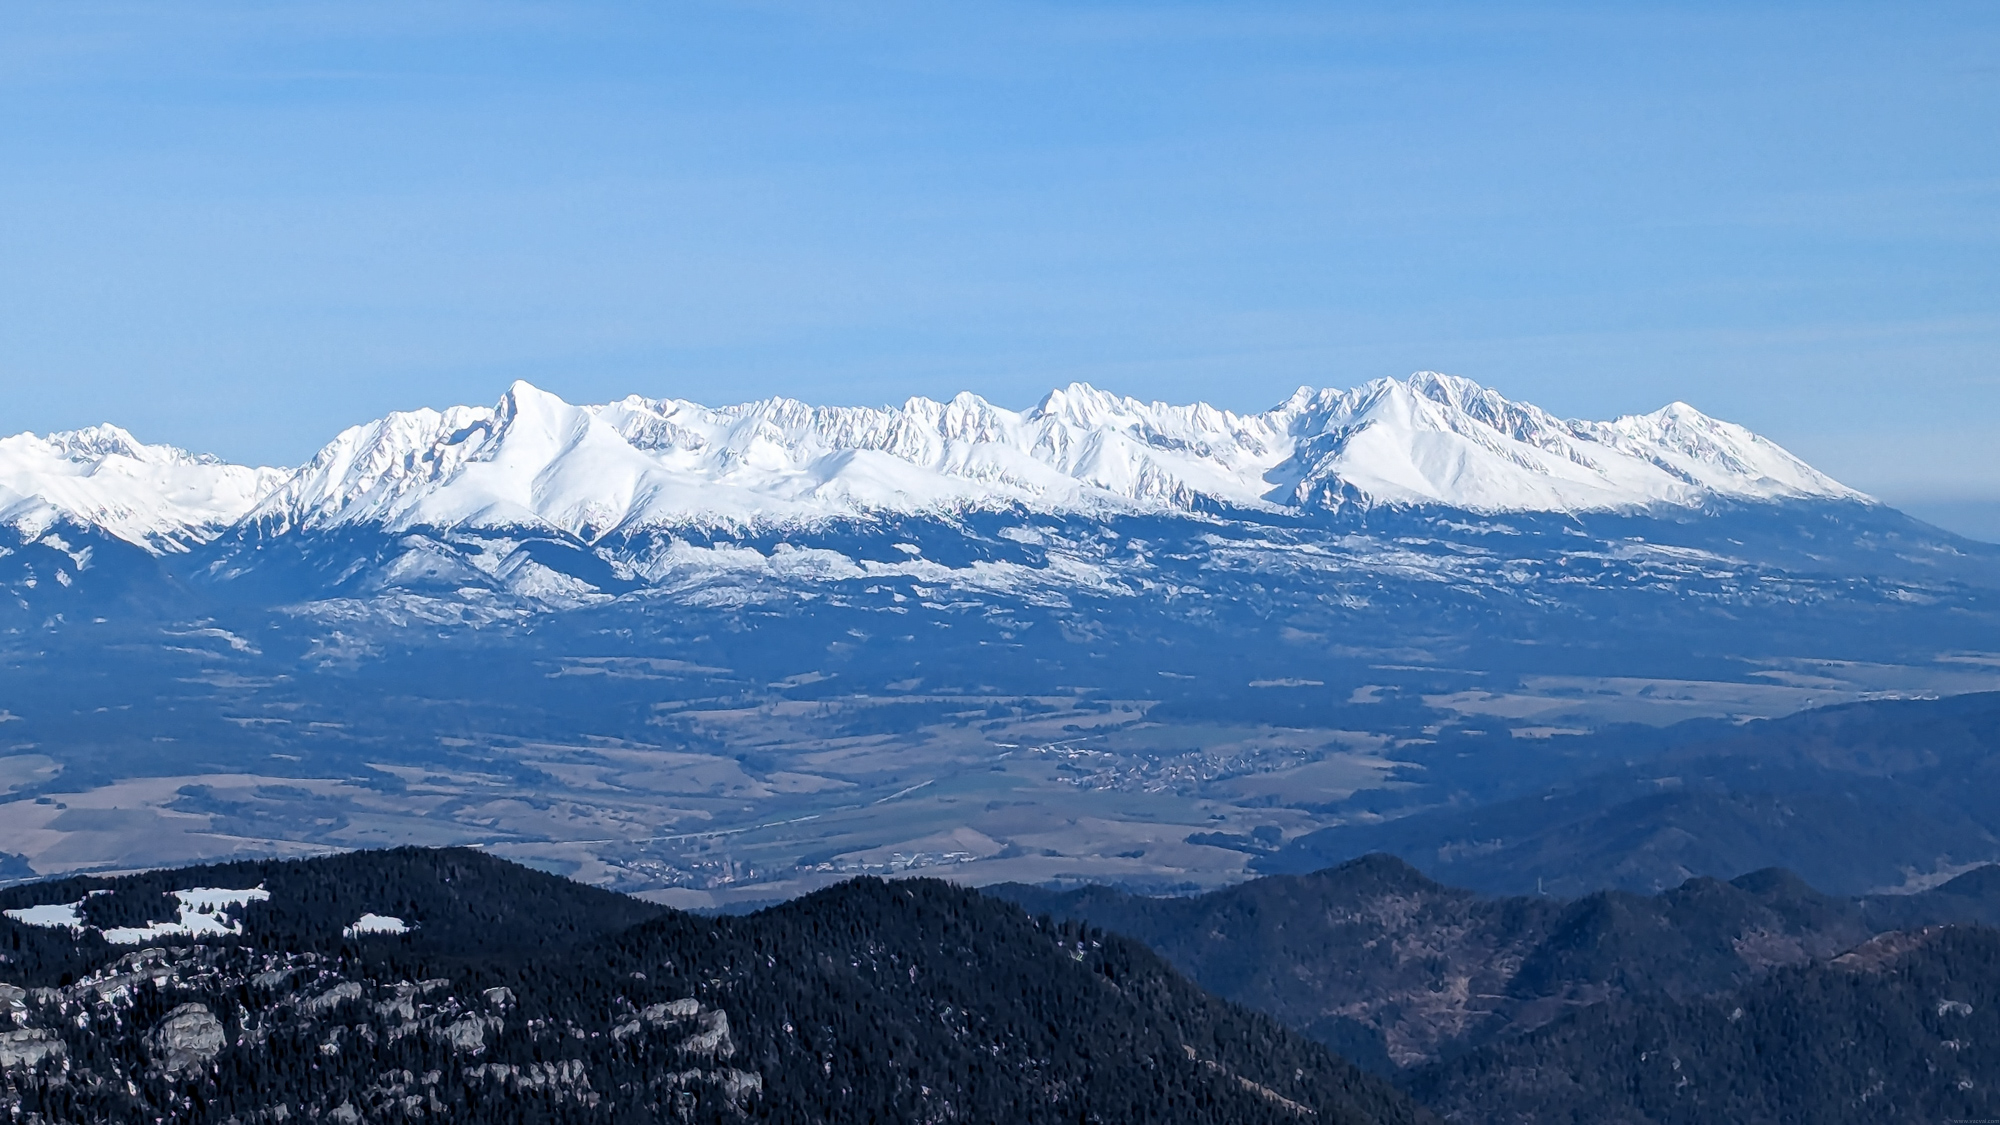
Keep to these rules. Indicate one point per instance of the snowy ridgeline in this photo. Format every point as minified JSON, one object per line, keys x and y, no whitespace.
{"x":204,"y":912}
{"x":535,"y":461}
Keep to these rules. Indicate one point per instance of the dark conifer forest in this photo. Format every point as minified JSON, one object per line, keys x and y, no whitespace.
{"x":1906,"y":1032}
{"x":447,"y":985}
{"x":518,"y":996}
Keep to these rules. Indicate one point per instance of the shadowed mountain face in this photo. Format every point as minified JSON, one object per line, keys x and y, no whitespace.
{"x":1396,"y":970}
{"x":405,"y":985}
{"x":1853,"y":798}
{"x":1904,"y":1029}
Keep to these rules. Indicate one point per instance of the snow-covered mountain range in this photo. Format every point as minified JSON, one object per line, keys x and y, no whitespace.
{"x":155,"y":496}
{"x":644,"y":637}
{"x":535,"y":461}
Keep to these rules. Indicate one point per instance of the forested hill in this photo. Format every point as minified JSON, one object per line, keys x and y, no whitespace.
{"x":1906,"y":1030}
{"x":461,"y":905}
{"x":1394,"y":969}
{"x":1757,"y":1000}
{"x":280,"y":991}
{"x":1851,"y":797}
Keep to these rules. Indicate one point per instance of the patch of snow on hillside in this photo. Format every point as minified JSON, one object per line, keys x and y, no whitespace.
{"x":56,"y":916}
{"x":376,"y":924}
{"x":202,"y":914}
{"x":680,"y":566}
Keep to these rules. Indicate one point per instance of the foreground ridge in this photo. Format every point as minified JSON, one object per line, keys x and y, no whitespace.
{"x":508,"y":995}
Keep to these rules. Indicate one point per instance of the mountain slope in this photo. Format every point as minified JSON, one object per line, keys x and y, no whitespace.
{"x":1907,"y":1029}
{"x":866,"y":1002}
{"x":153,"y":496}
{"x":1395,"y":970}
{"x":462,"y":905}
{"x":1853,"y":797}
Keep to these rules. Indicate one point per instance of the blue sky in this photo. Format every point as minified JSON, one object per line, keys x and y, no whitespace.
{"x":240,"y":227}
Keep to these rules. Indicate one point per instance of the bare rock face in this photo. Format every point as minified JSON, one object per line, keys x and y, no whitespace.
{"x":467,"y":1036}
{"x":660,"y":1015}
{"x":24,"y":1047}
{"x":188,"y":1037}
{"x":713,"y":1038}
{"x":333,"y":997}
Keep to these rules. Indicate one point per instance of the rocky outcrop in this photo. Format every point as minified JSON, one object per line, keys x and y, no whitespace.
{"x":187,"y":1038}
{"x":248,"y":1001}
{"x":467,"y":1036}
{"x":26,"y":1047}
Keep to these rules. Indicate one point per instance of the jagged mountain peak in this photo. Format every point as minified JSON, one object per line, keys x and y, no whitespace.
{"x":105,"y":440}
{"x":533,"y":459}
{"x":91,"y":445}
{"x":1690,"y":444}
{"x":1443,"y":439}
{"x":159,"y":497}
